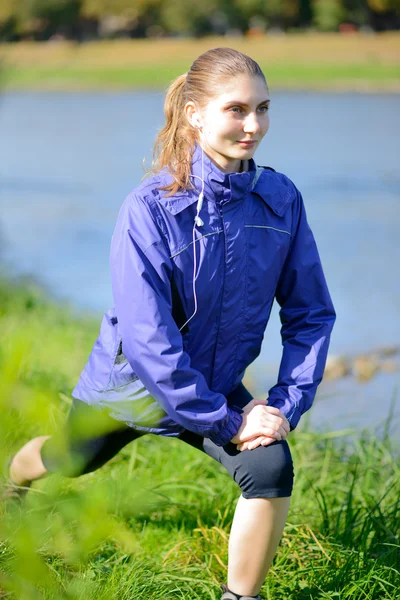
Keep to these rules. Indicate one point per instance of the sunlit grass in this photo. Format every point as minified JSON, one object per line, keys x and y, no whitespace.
{"x":317,"y":61}
{"x":154,"y":522}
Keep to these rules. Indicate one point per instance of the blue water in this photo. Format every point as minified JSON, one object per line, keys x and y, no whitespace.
{"x":68,"y":160}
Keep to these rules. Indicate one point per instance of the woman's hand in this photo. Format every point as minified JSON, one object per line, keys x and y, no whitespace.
{"x":255,"y":402}
{"x":262,"y":440}
{"x":262,"y":425}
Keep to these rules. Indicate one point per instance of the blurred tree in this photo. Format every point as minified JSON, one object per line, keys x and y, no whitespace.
{"x":235,"y":19}
{"x":384,"y":14}
{"x":290,"y":10}
{"x":357,"y":12}
{"x":305,"y":13}
{"x":101,"y":8}
{"x":328,"y":14}
{"x":6,"y":10}
{"x":277,"y":13}
{"x":137,"y":15}
{"x":180,"y":16}
{"x":381,"y":6}
{"x":50,"y":17}
{"x":7,"y":20}
{"x":86,"y":19}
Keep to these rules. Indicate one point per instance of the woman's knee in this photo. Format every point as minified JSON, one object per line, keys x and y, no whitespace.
{"x":266,"y":472}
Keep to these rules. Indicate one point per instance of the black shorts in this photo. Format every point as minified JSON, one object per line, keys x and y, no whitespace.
{"x":266,"y":472}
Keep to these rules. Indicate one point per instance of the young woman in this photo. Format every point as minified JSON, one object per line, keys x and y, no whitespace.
{"x":200,"y":250}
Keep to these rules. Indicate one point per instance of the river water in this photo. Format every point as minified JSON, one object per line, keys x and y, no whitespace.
{"x":67,"y":161}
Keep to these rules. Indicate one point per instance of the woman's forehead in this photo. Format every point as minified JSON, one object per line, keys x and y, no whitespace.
{"x":243,"y":89}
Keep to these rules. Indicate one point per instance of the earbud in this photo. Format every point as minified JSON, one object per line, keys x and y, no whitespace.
{"x":199,"y":222}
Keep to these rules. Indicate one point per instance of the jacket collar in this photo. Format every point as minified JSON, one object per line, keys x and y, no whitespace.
{"x":177,"y":203}
{"x":219,"y":186}
{"x":275,"y":190}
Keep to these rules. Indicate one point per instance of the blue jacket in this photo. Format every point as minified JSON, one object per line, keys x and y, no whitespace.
{"x":255,"y":245}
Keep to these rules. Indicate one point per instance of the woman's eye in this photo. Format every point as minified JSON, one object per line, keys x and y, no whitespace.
{"x":236,"y":109}
{"x":264,"y":109}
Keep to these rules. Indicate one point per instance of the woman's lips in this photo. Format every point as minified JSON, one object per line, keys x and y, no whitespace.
{"x":248,"y":144}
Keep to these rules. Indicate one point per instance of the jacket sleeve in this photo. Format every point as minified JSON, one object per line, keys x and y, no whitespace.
{"x":141,"y":271}
{"x":307,"y":317}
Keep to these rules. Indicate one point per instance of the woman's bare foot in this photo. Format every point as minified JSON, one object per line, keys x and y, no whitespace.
{"x":26,"y":466}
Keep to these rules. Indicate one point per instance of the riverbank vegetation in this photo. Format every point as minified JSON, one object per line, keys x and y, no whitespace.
{"x":154,"y":522}
{"x":301,"y":61}
{"x":84,"y":20}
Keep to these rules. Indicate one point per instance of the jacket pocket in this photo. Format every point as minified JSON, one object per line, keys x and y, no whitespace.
{"x":107,"y":367}
{"x":121,"y":372}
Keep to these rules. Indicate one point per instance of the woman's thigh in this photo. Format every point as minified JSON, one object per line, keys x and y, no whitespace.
{"x":266,"y":472}
{"x":91,"y":437}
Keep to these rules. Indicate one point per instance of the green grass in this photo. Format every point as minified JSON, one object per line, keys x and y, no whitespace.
{"x":330,"y":76}
{"x":307,"y":61}
{"x":154,"y":522}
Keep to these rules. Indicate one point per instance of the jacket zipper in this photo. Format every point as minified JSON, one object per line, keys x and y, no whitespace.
{"x":222,"y":295}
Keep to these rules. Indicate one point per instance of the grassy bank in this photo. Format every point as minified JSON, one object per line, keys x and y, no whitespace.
{"x":356,"y":62}
{"x":154,"y":522}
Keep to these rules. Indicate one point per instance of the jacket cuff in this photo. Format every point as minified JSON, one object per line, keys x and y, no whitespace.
{"x":291,"y":412}
{"x":230,"y":429}
{"x":294,"y":419}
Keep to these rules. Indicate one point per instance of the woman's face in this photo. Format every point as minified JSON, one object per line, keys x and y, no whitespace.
{"x":233,"y":124}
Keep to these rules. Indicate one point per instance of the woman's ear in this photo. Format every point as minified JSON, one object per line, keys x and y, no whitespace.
{"x":192,"y":115}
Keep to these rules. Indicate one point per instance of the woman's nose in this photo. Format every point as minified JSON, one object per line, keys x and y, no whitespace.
{"x":251,"y":124}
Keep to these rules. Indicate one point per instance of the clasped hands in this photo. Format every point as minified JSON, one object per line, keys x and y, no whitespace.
{"x":262,"y":425}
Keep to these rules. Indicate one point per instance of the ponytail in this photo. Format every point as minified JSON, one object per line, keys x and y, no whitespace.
{"x":175,"y":142}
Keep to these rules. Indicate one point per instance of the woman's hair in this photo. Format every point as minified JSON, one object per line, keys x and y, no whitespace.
{"x":176,"y":141}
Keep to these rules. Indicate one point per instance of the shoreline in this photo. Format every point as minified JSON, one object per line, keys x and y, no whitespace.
{"x":77,"y":89}
{"x":331,"y":63}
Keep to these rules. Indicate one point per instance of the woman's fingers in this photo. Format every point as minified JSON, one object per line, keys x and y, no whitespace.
{"x":244,"y":445}
{"x":284,"y":431}
{"x":267,"y":441}
{"x":253,"y":444}
{"x":274,"y":427}
{"x":267,"y":434}
{"x":262,"y":421}
{"x":253,"y":403}
{"x":262,"y":431}
{"x":272,"y":410}
{"x":278,"y":422}
{"x":286,"y":424}
{"x":265,"y":425}
{"x":257,"y":430}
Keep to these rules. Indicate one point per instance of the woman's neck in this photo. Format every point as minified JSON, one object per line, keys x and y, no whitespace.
{"x":237,"y":166}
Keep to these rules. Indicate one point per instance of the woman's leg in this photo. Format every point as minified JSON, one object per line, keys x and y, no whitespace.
{"x":265,"y":476}
{"x":255,"y":534}
{"x":92,"y":438}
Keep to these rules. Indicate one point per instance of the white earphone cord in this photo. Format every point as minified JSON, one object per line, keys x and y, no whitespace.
{"x":199,"y":223}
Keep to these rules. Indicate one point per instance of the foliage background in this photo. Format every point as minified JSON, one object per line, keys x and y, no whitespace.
{"x":91,"y":19}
